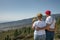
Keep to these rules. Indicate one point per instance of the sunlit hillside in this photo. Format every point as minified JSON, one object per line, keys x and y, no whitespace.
{"x":24,"y":31}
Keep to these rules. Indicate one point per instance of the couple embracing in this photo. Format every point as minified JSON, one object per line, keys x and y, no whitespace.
{"x":44,"y":30}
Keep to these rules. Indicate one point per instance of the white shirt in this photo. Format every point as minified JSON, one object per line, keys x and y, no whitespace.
{"x":51,"y":21}
{"x":40,"y":24}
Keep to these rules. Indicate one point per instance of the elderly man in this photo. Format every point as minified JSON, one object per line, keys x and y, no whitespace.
{"x":51,"y":25}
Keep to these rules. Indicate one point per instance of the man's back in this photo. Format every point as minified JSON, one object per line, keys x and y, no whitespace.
{"x":50,"y":20}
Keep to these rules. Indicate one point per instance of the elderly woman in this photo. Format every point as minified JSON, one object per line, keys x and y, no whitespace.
{"x":39,"y":28}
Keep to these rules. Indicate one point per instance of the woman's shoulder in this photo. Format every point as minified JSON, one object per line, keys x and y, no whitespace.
{"x":35,"y":21}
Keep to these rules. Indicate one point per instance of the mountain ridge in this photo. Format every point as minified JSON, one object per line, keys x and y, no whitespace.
{"x":22,"y":22}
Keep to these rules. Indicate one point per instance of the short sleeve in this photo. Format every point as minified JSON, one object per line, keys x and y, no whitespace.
{"x":49,"y":20}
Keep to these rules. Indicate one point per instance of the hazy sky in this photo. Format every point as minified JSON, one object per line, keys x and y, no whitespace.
{"x":11,"y":10}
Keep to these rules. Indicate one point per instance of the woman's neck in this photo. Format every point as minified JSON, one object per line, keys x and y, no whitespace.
{"x":40,"y":19}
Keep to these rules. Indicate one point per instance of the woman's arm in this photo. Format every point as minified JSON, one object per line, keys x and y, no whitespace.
{"x":48,"y":26}
{"x":33,"y":27}
{"x":38,"y":28}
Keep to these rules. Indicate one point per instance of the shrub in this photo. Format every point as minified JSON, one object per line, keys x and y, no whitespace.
{"x":7,"y":37}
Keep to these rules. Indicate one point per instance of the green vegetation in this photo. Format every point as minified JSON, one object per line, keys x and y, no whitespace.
{"x":24,"y":33}
{"x":16,"y":33}
{"x":57,"y":34}
{"x":7,"y":38}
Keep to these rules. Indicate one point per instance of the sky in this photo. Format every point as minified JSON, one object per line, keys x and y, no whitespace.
{"x":13,"y":10}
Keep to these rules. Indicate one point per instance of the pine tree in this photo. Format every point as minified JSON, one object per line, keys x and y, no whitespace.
{"x":7,"y":37}
{"x":16,"y":33}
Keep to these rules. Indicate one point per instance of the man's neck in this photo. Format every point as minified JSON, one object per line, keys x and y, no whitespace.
{"x":48,"y":16}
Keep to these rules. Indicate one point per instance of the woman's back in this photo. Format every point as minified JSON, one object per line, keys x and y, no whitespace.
{"x":40,"y":24}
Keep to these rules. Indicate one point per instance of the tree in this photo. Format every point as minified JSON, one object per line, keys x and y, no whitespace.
{"x":20,"y":31}
{"x":7,"y":37}
{"x":16,"y":33}
{"x":58,"y":21}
